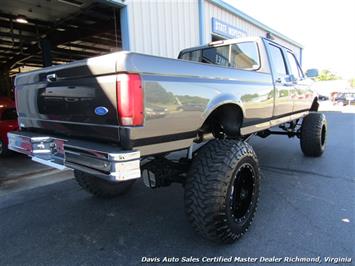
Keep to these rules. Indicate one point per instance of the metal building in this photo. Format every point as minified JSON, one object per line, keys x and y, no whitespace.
{"x":35,"y":34}
{"x":165,"y":27}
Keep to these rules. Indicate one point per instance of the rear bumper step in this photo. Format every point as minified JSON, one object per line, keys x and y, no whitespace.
{"x":108,"y":162}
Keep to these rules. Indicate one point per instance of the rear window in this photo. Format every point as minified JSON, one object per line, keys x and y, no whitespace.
{"x":9,"y":114}
{"x":243,"y":55}
{"x":216,"y":55}
{"x":192,"y":56}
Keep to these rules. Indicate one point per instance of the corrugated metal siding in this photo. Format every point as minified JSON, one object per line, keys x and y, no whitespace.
{"x":212,"y":10}
{"x":227,"y":17}
{"x":162,"y":27}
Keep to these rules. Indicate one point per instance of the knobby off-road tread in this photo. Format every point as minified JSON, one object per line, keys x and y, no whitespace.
{"x":207,"y":189}
{"x":101,"y":188}
{"x":311,"y":134}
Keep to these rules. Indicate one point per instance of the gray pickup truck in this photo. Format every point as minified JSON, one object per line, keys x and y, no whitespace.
{"x":118,"y":117}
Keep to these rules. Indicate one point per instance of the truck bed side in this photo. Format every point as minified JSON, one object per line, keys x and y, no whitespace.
{"x":189,"y":92}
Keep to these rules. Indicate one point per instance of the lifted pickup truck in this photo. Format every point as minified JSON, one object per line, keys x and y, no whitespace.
{"x":116,"y":117}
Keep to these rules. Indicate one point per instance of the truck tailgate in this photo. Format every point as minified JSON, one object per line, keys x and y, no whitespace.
{"x":76,"y":99}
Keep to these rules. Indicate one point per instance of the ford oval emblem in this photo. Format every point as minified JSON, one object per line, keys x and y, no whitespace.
{"x":100,"y":110}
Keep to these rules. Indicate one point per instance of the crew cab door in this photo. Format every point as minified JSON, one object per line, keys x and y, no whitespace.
{"x":302,"y":93}
{"x":283,"y":101}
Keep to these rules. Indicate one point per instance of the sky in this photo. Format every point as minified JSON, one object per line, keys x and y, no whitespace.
{"x":325,"y":28}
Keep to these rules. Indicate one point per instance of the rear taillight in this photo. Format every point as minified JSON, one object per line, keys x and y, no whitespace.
{"x":130,"y":102}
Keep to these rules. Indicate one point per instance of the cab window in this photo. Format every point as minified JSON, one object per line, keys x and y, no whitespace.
{"x":278,"y":60}
{"x":245,"y":56}
{"x":294,"y":67}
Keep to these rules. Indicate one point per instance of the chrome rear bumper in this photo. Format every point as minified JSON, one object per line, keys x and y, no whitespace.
{"x":105,"y":161}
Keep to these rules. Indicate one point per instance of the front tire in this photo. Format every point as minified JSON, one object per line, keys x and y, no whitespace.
{"x":101,"y":188}
{"x":222,"y":190}
{"x":313,"y":134}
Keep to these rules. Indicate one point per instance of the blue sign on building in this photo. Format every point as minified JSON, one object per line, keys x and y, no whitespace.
{"x":228,"y":31}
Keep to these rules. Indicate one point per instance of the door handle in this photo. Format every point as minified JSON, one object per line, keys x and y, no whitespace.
{"x":51,"y":77}
{"x":284,"y":82}
{"x":278,"y":80}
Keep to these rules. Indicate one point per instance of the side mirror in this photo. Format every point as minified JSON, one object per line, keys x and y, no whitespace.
{"x":312,"y":73}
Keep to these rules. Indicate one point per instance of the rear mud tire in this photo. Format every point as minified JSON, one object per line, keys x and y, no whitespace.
{"x":222,"y":190}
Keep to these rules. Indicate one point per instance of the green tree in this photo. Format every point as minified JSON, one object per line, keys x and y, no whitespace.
{"x":352,"y":82}
{"x":327,"y":75}
{"x":155,"y":93}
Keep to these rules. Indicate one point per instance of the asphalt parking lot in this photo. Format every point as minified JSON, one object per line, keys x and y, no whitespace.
{"x":306,"y":209}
